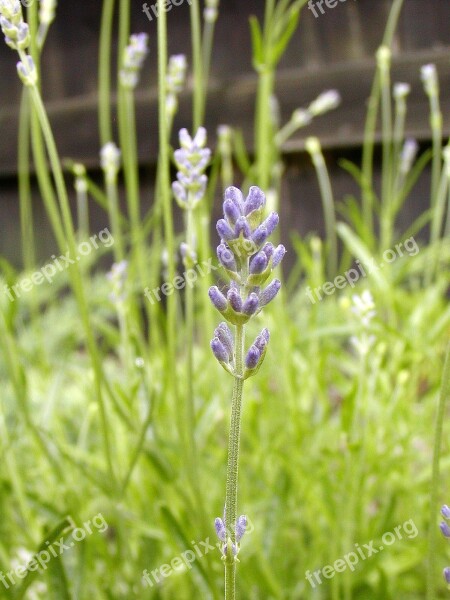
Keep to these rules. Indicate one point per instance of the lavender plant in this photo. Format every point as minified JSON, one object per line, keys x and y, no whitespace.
{"x":248,"y":259}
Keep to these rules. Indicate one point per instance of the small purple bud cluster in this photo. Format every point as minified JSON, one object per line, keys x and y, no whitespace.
{"x":248,"y":259}
{"x":133,"y":58}
{"x":191,"y":159}
{"x":14,"y":28}
{"x":445,"y":529}
{"x":240,"y":528}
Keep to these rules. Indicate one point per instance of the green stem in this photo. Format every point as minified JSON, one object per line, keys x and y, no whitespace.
{"x":444,"y":398}
{"x":164,"y":190}
{"x":263,"y":142}
{"x":386,"y":184}
{"x":233,"y":463}
{"x":114,"y":216}
{"x":104,"y":73}
{"x":326,"y":193}
{"x":199,"y":83}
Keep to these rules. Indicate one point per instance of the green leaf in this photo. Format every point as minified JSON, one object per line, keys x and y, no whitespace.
{"x":58,"y":586}
{"x":359,"y":249}
{"x":289,"y":30}
{"x":257,"y":42}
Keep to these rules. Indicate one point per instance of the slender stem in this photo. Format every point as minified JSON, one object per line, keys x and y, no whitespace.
{"x":26,"y":208}
{"x":104,"y":73}
{"x":436,"y":128}
{"x":164,"y":190}
{"x":114,"y":216}
{"x":233,"y":463}
{"x":190,"y":408}
{"x":199,"y":91}
{"x":326,"y":193}
{"x":264,"y":140}
{"x":386,"y":193}
{"x":444,"y":398}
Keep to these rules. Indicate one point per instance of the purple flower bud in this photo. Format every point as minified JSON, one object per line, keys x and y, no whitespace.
{"x":445,"y":529}
{"x":226,"y":257}
{"x":179,"y":192}
{"x":268,"y":250}
{"x":445,"y":512}
{"x":231,"y":211}
{"x":233,"y":549}
{"x":235,"y":300}
{"x":252,"y":358}
{"x":219,"y":350}
{"x":278,"y":255}
{"x":243,"y":227}
{"x":258,"y":264}
{"x":235,"y":195}
{"x":262,"y":340}
{"x":271,"y":222}
{"x":224,"y":230}
{"x":250,"y":306}
{"x":446,"y":573}
{"x":217,"y":298}
{"x":226,"y":337}
{"x":220,"y":529}
{"x":260,"y":235}
{"x":241,"y":526}
{"x":255,"y":199}
{"x":269,"y":293}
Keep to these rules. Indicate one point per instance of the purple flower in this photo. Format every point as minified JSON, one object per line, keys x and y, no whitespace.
{"x":445,"y":512}
{"x":231,"y":211}
{"x":217,"y":298}
{"x":241,"y":526}
{"x":235,"y":195}
{"x":255,"y":200}
{"x":278,"y":255}
{"x":226,"y":257}
{"x":446,"y":573}
{"x":223,"y":333}
{"x":219,"y":351}
{"x":221,"y":532}
{"x":242,"y":228}
{"x":224,"y":230}
{"x":235,"y":300}
{"x":259,"y":263}
{"x":250,"y":306}
{"x":445,"y":529}
{"x":269,"y":293}
{"x":252,"y":358}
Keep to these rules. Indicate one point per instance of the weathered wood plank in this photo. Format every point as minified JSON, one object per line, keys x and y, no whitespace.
{"x":75,"y":120}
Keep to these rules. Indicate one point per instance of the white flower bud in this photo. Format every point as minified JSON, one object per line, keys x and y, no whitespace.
{"x":324,"y":103}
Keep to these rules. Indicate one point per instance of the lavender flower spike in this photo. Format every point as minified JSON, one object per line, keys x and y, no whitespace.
{"x":248,"y":259}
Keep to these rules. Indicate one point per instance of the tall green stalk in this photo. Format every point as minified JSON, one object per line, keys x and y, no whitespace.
{"x":233,"y":463}
{"x":104,"y":72}
{"x":444,"y":398}
{"x":164,"y":190}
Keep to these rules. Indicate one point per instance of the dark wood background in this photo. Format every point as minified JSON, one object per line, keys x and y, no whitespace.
{"x":335,"y":50}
